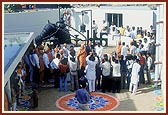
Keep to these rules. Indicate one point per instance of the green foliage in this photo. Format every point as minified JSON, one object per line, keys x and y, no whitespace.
{"x":8,"y":8}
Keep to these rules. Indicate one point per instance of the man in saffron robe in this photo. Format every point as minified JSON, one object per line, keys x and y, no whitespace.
{"x":81,"y":56}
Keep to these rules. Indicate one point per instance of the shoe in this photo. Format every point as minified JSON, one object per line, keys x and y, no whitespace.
{"x":72,"y":90}
{"x":98,"y":88}
{"x":133,"y":93}
{"x":103,"y":91}
{"x":56,"y":87}
{"x":148,"y":83}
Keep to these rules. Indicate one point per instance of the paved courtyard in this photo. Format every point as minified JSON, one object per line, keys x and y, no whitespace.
{"x":145,"y":100}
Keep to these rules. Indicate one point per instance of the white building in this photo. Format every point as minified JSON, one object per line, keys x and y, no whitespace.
{"x":138,"y":16}
{"x":160,"y":67}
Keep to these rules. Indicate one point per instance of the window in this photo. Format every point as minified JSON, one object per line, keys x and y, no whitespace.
{"x":116,"y":18}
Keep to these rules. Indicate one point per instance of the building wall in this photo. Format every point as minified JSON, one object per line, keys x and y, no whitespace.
{"x":160,"y":69}
{"x":137,"y":18}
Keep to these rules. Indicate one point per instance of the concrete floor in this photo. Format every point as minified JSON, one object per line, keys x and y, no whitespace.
{"x":143,"y":101}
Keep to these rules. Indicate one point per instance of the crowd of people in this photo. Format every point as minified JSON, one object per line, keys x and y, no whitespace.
{"x":122,"y":69}
{"x":137,"y":33}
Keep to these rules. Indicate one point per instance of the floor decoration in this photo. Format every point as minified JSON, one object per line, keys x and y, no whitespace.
{"x":99,"y":102}
{"x":159,"y":105}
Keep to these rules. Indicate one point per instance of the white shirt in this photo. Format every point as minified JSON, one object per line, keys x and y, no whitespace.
{"x":54,"y":63}
{"x":133,"y":34}
{"x":31,"y":59}
{"x":124,"y":51}
{"x":127,"y":33}
{"x":52,"y":52}
{"x":99,"y":51}
{"x":65,"y":54}
{"x":129,"y":64}
{"x":133,"y":50}
{"x":104,"y":26}
{"x":106,"y":67}
{"x":95,"y":27}
{"x":91,"y":68}
{"x":116,"y":70}
{"x":46,"y":60}
{"x":135,"y":76}
{"x":113,"y":32}
{"x":73,"y":65}
{"x":149,"y":62}
{"x":36,"y":60}
{"x":146,"y":47}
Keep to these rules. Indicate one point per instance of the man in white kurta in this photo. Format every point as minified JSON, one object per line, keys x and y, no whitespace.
{"x":124,"y":50}
{"x":91,"y":72}
{"x":132,"y":49}
{"x":135,"y":77}
{"x":104,"y":27}
{"x":99,"y":51}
